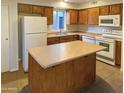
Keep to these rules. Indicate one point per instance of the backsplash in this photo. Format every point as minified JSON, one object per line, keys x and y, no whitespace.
{"x":91,"y":28}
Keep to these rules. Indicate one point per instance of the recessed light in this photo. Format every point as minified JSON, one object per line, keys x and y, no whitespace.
{"x":65,"y":0}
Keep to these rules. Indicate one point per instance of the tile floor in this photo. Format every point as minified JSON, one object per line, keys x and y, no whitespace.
{"x":109,"y":80}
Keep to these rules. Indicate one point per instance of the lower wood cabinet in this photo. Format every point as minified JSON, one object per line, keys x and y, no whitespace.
{"x":52,"y":40}
{"x":66,"y":39}
{"x":62,"y":39}
{"x":118,"y":53}
{"x":76,"y":37}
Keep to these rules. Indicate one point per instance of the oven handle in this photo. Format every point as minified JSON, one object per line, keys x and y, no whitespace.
{"x":104,"y":41}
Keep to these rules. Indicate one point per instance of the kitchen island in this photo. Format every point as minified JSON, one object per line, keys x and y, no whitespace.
{"x":62,"y":68}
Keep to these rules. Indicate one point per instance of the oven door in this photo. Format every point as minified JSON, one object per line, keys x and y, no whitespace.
{"x":109,"y":51}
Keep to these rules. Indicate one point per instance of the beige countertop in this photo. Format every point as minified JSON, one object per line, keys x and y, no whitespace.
{"x":97,"y":36}
{"x":48,"y":56}
{"x":73,"y":33}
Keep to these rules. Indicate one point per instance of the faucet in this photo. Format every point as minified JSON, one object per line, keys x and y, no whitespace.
{"x":60,"y":31}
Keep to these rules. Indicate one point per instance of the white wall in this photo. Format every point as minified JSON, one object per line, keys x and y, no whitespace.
{"x":13,"y":33}
{"x":99,"y":3}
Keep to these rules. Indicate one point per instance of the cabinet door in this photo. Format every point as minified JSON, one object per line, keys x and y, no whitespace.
{"x":118,"y":53}
{"x":83,"y":16}
{"x":52,"y":40}
{"x":104,"y":10}
{"x":115,"y":9}
{"x":48,"y":12}
{"x":38,"y":10}
{"x":66,"y":38}
{"x":24,"y":8}
{"x":73,"y":16}
{"x":93,"y":16}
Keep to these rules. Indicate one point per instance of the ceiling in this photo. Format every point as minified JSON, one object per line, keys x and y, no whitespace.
{"x":78,"y":1}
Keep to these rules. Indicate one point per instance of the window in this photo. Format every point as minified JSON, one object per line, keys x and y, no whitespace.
{"x":59,"y":20}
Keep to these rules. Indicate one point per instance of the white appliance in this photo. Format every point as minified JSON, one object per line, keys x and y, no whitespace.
{"x":89,"y":39}
{"x":109,"y":20}
{"x":34,"y":34}
{"x":107,"y":55}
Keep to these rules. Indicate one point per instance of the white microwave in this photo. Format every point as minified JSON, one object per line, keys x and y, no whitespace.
{"x":109,"y":20}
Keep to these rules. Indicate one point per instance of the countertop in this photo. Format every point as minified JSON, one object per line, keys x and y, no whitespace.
{"x":73,"y":33}
{"x":95,"y":35}
{"x":48,"y":56}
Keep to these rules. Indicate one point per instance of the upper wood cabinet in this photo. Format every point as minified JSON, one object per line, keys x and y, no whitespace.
{"x":48,"y":12}
{"x":93,"y":16}
{"x":38,"y":10}
{"x":72,"y":16}
{"x":25,"y":8}
{"x":115,"y":9}
{"x":83,"y":16}
{"x":104,"y":10}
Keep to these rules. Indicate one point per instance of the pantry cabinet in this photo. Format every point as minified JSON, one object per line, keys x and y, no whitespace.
{"x":25,"y":8}
{"x":104,"y":10}
{"x":48,"y":12}
{"x":93,"y":16}
{"x":38,"y":10}
{"x":72,"y":16}
{"x":83,"y":16}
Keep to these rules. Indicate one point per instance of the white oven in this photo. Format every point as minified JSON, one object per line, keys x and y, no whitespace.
{"x":108,"y":54}
{"x":109,"y":20}
{"x":89,"y":39}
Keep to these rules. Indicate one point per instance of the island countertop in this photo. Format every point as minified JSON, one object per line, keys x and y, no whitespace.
{"x":52,"y":55}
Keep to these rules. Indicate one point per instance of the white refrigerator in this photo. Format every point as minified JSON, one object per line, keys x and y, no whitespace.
{"x":34,"y":34}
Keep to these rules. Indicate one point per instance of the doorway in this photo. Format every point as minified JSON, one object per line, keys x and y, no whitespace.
{"x":4,"y":38}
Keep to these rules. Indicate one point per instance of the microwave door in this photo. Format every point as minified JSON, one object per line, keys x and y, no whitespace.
{"x":111,"y":20}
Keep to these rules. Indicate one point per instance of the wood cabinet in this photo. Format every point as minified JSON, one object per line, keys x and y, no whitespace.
{"x":83,"y":16}
{"x":118,"y":53}
{"x":53,"y":40}
{"x":104,"y":10}
{"x":48,"y":12}
{"x":72,"y":16}
{"x":115,"y":9}
{"x":66,"y":38}
{"x":93,"y":16}
{"x":68,"y":77}
{"x":35,"y":9}
{"x":38,"y":10}
{"x":76,"y":37}
{"x":62,"y":39}
{"x":25,"y":8}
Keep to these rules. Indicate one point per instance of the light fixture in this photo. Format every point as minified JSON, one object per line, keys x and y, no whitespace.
{"x":65,"y":0}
